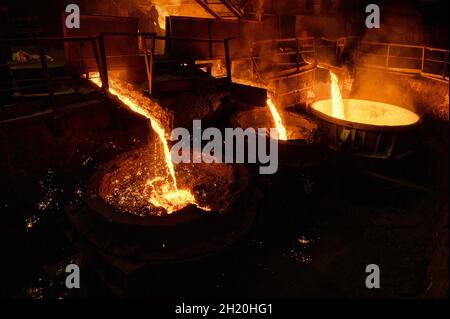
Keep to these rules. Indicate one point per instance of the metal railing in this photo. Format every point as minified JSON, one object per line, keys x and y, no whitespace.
{"x":425,"y":58}
{"x":39,"y":43}
{"x":431,"y":62}
{"x":149,"y":53}
{"x":101,"y":56}
{"x":405,"y":58}
{"x":301,"y":46}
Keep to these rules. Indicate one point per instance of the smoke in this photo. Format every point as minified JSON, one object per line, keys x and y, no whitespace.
{"x":401,"y":24}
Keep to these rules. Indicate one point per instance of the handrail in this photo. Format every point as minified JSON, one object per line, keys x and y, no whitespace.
{"x":37,"y":42}
{"x":98,"y":45}
{"x":420,"y":70}
{"x":159,"y":37}
{"x":405,"y":46}
{"x":280,"y":40}
{"x":341,"y":42}
{"x":97,"y":42}
{"x":44,"y":39}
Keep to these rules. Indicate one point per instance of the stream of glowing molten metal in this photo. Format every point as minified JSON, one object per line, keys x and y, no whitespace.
{"x":337,"y":103}
{"x":164,"y":190}
{"x":277,"y":119}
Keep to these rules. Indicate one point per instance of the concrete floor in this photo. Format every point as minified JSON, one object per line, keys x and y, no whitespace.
{"x":317,"y":229}
{"x":315,"y":234}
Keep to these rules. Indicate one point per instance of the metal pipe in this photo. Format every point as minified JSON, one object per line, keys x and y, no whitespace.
{"x":44,"y":65}
{"x":423,"y":59}
{"x":44,"y":39}
{"x":387,"y":56}
{"x":228,"y":59}
{"x":208,"y":9}
{"x":149,"y":64}
{"x":97,"y":58}
{"x":445,"y":65}
{"x":231,"y":7}
{"x":104,"y":65}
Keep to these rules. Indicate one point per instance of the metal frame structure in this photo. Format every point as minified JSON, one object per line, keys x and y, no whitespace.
{"x":101,"y":56}
{"x":232,"y":12}
{"x":424,"y":58}
{"x":302,"y":45}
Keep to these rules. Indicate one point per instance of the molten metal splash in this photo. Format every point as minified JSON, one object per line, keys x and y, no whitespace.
{"x":336,"y":98}
{"x":163,"y":190}
{"x":282,"y":135}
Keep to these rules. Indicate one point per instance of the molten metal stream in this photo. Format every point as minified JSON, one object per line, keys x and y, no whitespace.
{"x":364,"y":111}
{"x":277,"y":119}
{"x":163,"y":193}
{"x":281,"y":129}
{"x":336,"y":98}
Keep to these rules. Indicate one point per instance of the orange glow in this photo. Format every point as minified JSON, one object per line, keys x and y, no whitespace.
{"x":370,"y":112}
{"x":163,"y":190}
{"x":336,"y":97}
{"x":277,"y":119}
{"x":279,"y":125}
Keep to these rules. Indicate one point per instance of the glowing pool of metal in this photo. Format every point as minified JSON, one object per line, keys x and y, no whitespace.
{"x":123,"y":184}
{"x":368,"y":112}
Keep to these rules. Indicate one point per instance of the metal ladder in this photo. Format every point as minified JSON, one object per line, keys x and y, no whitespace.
{"x":221,"y":9}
